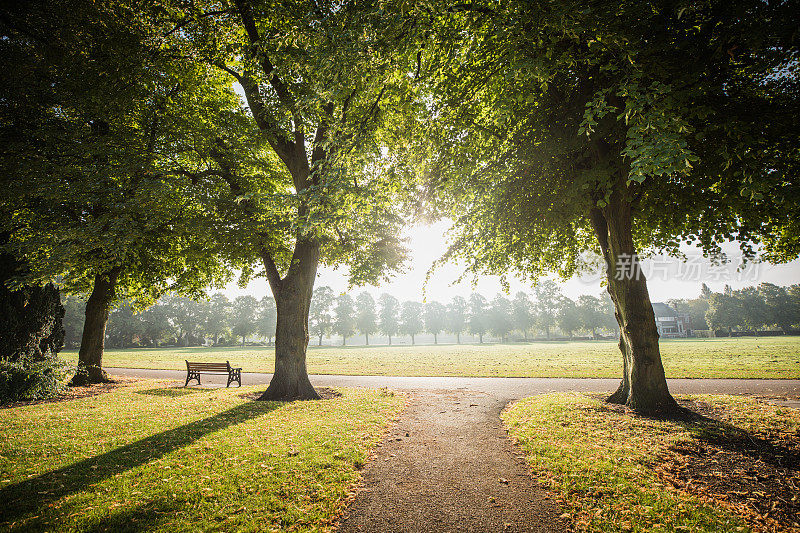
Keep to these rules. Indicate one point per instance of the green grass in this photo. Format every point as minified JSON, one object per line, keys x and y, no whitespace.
{"x":600,"y":462}
{"x":146,"y":457}
{"x":767,"y":357}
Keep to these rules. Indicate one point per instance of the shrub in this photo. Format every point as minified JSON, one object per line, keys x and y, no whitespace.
{"x":25,"y":379}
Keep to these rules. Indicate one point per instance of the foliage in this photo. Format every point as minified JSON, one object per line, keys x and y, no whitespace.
{"x":366,"y":314}
{"x":267,"y":318}
{"x":457,"y":312}
{"x":321,"y":312}
{"x":344,"y":322}
{"x":477,"y":315}
{"x":244,"y":316}
{"x":435,"y":317}
{"x":389,"y":315}
{"x":29,"y":379}
{"x":412,"y":319}
{"x":499,"y":316}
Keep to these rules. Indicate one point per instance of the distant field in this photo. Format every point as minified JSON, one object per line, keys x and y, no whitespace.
{"x":766,"y":357}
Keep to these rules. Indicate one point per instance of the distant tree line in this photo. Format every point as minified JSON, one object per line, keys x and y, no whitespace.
{"x":180,"y":321}
{"x":751,"y":309}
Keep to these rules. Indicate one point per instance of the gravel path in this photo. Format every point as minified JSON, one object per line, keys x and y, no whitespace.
{"x":448,"y":466}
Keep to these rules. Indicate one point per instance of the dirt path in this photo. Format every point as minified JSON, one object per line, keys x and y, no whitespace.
{"x":448,"y":466}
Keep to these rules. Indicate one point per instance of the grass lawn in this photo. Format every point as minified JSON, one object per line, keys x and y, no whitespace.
{"x":735,"y":470}
{"x":766,"y":357}
{"x":148,"y":457}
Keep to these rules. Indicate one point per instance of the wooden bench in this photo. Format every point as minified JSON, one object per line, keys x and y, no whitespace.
{"x":193,"y":371}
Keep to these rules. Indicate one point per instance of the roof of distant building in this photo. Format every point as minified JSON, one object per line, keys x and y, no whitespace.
{"x":663,"y":310}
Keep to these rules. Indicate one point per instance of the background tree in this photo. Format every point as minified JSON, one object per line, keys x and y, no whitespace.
{"x":366,"y":315}
{"x":569,"y":317}
{"x":344,"y":317}
{"x":218,"y":319}
{"x":244,"y":316}
{"x":548,"y":300}
{"x":499,"y":317}
{"x":124,"y":326}
{"x":755,"y":313}
{"x":321,"y":313}
{"x":724,"y":311}
{"x":74,"y":306}
{"x":780,"y":310}
{"x":267,"y":318}
{"x":522,"y":315}
{"x":411,"y":319}
{"x":435,"y":319}
{"x":590,"y":314}
{"x":389,"y":315}
{"x":457,"y":312}
{"x":156,"y":325}
{"x":477,"y":316}
{"x":614,"y":137}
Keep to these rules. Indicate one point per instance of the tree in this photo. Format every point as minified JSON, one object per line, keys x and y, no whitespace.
{"x":435,"y":319}
{"x":755,"y":313}
{"x":267,"y":318}
{"x":457,"y":317}
{"x":411,"y":319}
{"x":724,"y":311}
{"x":477,"y":315}
{"x":626,"y":128}
{"x":31,"y":335}
{"x":218,"y":319}
{"x":522,"y":315}
{"x":244,"y":316}
{"x":569,"y":317}
{"x":389,"y":315}
{"x":95,"y":189}
{"x":779,"y":306}
{"x":590,"y":313}
{"x":320,"y":86}
{"x":344,"y":321}
{"x":321,"y":312}
{"x":155,"y":324}
{"x":124,"y":326}
{"x":73,"y":318}
{"x":366,"y":315}
{"x":499,"y":317}
{"x":548,"y":299}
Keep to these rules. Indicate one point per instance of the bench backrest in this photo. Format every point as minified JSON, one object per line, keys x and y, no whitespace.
{"x":209,"y":367}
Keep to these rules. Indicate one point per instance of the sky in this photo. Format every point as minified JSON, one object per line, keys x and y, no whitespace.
{"x":667,"y":278}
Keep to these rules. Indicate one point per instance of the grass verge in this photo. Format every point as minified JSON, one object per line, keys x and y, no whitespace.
{"x":767,"y":357}
{"x":734,"y":468}
{"x":151,"y":457}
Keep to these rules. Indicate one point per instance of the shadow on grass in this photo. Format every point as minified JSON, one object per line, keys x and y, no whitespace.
{"x":171,"y":392}
{"x":734,"y":439}
{"x":143,"y":516}
{"x":35,"y":494}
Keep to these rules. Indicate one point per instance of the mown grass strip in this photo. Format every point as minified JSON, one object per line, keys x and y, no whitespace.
{"x":146,"y":457}
{"x":603,"y":463}
{"x":768,"y":357}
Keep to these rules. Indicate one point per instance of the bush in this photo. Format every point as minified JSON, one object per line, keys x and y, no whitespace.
{"x":24,"y":379}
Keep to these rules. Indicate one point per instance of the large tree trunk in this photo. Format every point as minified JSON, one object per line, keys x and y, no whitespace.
{"x":293,"y":299}
{"x":644,"y":385}
{"x":90,"y":355}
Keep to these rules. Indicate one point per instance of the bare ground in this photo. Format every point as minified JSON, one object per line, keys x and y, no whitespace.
{"x":448,"y":466}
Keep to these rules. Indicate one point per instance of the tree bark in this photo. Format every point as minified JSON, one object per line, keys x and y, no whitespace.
{"x":644,"y":385}
{"x":435,"y":338}
{"x":412,"y":339}
{"x":292,"y":298}
{"x":367,"y":338}
{"x":344,"y":340}
{"x":390,"y":340}
{"x":90,"y":355}
{"x":458,"y":337}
